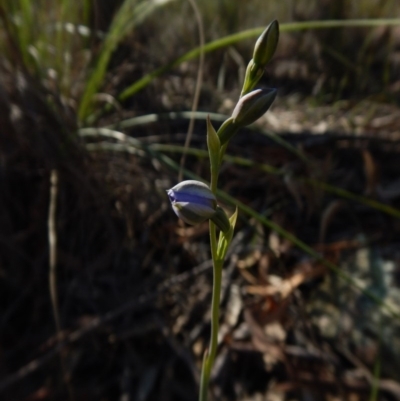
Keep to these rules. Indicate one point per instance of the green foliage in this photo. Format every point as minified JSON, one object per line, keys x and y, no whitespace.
{"x":131,"y":14}
{"x":47,"y":37}
{"x":54,"y":40}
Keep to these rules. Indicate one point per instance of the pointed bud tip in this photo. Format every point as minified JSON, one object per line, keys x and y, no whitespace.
{"x":266,"y":44}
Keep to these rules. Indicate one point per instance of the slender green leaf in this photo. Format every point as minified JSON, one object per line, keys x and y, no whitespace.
{"x":131,"y":14}
{"x":251,"y":33}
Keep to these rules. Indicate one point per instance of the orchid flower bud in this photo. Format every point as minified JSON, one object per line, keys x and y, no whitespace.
{"x":252,"y":106}
{"x":266,"y":44}
{"x":194,"y":203}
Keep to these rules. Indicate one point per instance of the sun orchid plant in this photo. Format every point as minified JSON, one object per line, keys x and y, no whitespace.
{"x":195,"y":202}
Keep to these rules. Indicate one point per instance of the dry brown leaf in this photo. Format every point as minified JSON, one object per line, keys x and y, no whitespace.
{"x":260,"y":340}
{"x":285,"y":287}
{"x":249,"y":260}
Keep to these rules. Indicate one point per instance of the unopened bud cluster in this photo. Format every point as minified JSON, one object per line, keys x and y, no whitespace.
{"x":264,"y":49}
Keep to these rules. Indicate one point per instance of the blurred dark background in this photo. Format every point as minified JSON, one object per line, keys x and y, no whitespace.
{"x":118,"y":307}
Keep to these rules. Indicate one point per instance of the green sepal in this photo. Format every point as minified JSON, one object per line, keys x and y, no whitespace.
{"x":233,"y":218}
{"x":214,"y":146}
{"x":227,"y":130}
{"x":225,"y":239}
{"x":254,"y":72}
{"x":220,"y":219}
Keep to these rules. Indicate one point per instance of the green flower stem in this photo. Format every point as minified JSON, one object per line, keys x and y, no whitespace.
{"x":218,"y":261}
{"x":216,"y":295}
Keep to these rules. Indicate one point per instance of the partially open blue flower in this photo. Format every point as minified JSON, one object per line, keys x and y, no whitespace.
{"x":192,"y":201}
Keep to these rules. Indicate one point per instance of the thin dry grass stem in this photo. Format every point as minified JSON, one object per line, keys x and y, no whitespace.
{"x":53,"y":249}
{"x":52,"y":233}
{"x":199,"y":82}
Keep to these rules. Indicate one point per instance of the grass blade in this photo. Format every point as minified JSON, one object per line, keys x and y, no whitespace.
{"x":129,"y":16}
{"x":252,"y":33}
